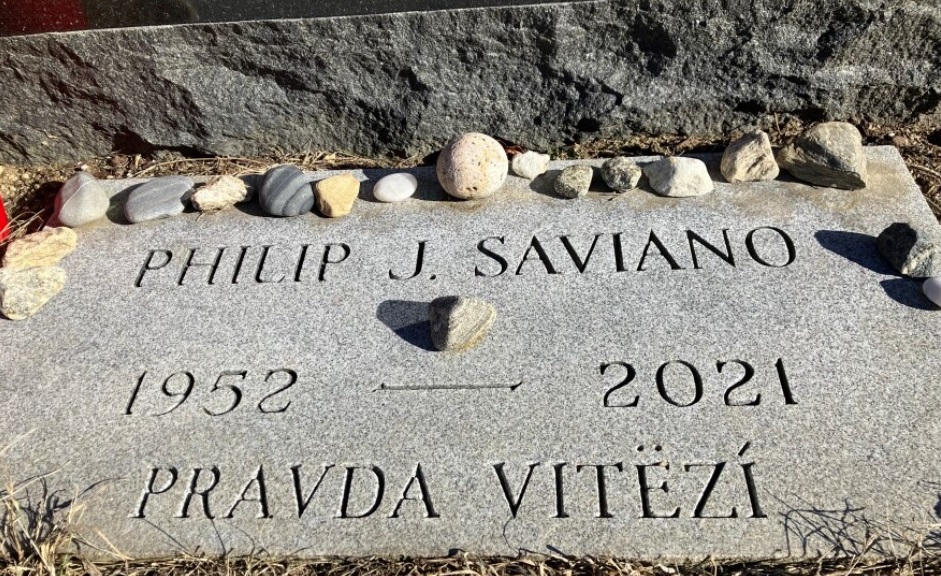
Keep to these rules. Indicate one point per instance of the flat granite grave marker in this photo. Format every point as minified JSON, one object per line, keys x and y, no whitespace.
{"x":734,"y":375}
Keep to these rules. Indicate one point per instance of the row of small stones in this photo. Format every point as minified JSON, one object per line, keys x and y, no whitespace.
{"x":471,"y":166}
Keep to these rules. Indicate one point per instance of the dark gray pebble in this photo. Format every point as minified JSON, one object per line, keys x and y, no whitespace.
{"x":910,"y":251}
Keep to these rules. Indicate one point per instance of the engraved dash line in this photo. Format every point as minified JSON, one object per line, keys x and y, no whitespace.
{"x":387,"y":388}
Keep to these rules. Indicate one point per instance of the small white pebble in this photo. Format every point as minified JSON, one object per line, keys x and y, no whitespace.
{"x":395,"y":187}
{"x":932,"y":289}
{"x":530,"y":164}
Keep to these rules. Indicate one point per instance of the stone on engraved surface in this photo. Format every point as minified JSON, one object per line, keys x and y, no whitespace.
{"x":45,"y":248}
{"x":220,"y":192}
{"x":472,"y":166}
{"x":750,"y":159}
{"x":621,"y":174}
{"x":910,"y":251}
{"x":828,"y":154}
{"x":932,"y":289}
{"x":574,"y":181}
{"x":25,"y":292}
{"x":336,"y":195}
{"x":81,"y":200}
{"x":286,"y":191}
{"x":158,"y":198}
{"x":395,"y":187}
{"x":530,"y":164}
{"x":459,"y":323}
{"x":679,"y":177}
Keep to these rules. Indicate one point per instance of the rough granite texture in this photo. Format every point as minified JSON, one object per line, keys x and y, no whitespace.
{"x":846,"y":451}
{"x":535,"y":75}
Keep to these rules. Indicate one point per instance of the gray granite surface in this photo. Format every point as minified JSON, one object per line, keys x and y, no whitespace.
{"x":816,"y":429}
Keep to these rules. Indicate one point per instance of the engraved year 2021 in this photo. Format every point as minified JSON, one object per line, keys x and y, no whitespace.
{"x":680,"y":383}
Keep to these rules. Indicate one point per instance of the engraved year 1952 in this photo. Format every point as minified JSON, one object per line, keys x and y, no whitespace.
{"x":680,"y":383}
{"x":223,"y":395}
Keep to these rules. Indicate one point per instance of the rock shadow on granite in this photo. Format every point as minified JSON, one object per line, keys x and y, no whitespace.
{"x":409,"y":321}
{"x":862,"y":250}
{"x":545,"y":184}
{"x":116,"y":204}
{"x":907,"y":291}
{"x":252,"y":207}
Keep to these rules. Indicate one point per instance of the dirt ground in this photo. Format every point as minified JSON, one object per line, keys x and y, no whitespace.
{"x":28,"y":192}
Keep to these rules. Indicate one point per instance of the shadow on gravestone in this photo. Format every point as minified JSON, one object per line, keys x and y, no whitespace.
{"x":409,"y":320}
{"x":858,"y":248}
{"x":861,"y":249}
{"x":38,"y":517}
{"x":908,"y":292}
{"x":545,"y":183}
{"x":116,"y":206}
{"x":848,"y":533}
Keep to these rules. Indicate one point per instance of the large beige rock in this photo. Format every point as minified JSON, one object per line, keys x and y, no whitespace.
{"x":45,"y":248}
{"x":23,"y":292}
{"x":220,"y":193}
{"x":679,"y":177}
{"x":336,"y":195}
{"x":750,"y":159}
{"x":829,"y":154}
{"x":472,"y":166}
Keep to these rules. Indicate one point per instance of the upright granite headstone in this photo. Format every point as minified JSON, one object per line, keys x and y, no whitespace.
{"x":535,"y":74}
{"x":734,"y":375}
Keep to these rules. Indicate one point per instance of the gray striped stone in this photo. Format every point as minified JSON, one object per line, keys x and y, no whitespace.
{"x":159,"y":198}
{"x":286,"y":191}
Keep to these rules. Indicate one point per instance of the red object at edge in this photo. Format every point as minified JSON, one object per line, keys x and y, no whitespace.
{"x":4,"y":223}
{"x":36,"y":16}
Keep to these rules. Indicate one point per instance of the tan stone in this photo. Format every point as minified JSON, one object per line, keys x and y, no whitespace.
{"x":472,"y":166}
{"x":219,"y":193}
{"x":45,"y":248}
{"x":23,"y":292}
{"x":336,"y":195}
{"x":749,"y":159}
{"x":459,"y":323}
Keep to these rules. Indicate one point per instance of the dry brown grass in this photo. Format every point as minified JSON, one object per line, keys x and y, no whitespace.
{"x":39,"y":539}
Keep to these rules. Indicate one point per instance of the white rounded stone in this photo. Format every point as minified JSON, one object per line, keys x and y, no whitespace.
{"x":472,"y":166}
{"x":530,"y":164}
{"x":395,"y":187}
{"x":932,"y":289}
